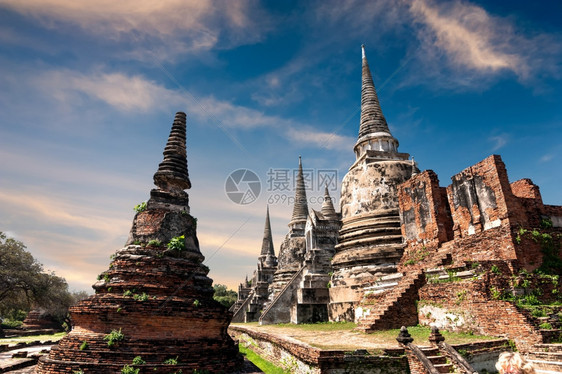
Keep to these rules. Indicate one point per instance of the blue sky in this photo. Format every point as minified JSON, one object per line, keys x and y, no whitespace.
{"x":89,"y":90}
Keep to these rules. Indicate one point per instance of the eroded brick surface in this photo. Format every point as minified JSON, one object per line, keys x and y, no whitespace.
{"x":156,"y":302}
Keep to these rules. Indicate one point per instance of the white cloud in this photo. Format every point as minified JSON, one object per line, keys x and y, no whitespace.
{"x":124,"y":93}
{"x":185,"y":25}
{"x":469,"y":36}
{"x":547,"y":157}
{"x":472,"y":40}
{"x":62,"y":212}
{"x":320,"y":139}
{"x":499,"y":141}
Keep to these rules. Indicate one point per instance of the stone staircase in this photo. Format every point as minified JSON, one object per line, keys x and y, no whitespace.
{"x":438,"y":358}
{"x":547,"y":358}
{"x":392,"y":311}
{"x":396,"y":304}
{"x":441,"y":363}
{"x":277,"y":311}
{"x":238,"y":309}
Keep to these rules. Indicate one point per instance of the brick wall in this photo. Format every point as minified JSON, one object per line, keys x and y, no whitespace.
{"x":479,"y":197}
{"x":297,"y":357}
{"x":469,"y":305}
{"x":416,"y":366}
{"x":425,"y":221}
{"x":493,"y":244}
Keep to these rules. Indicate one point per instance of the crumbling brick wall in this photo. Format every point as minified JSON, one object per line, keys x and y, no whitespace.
{"x":480,"y":196}
{"x":493,"y":244}
{"x":425,"y":219}
{"x":468,"y":306}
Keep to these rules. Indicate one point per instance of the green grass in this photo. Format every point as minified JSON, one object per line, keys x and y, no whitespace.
{"x":54,"y":337}
{"x":382,"y":338}
{"x":264,"y":365}
{"x":421,"y":336}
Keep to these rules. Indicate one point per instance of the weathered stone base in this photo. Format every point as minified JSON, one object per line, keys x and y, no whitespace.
{"x":214,"y":356}
{"x":312,"y":313}
{"x":340,"y":312}
{"x":297,"y":357}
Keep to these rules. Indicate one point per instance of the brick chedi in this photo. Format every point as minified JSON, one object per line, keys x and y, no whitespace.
{"x":155,"y":301}
{"x":370,"y":242}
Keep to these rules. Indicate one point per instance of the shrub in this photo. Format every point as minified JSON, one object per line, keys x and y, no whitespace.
{"x":142,"y":297}
{"x":177,"y":243}
{"x":545,"y":326}
{"x":129,"y":370}
{"x":138,"y":361}
{"x":546,"y":223}
{"x":155,"y":243}
{"x":140,"y":207}
{"x":113,"y":337}
{"x":495,"y":293}
{"x":171,"y":361}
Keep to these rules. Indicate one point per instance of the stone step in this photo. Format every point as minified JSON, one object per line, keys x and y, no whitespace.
{"x":384,"y":283}
{"x":553,"y":347}
{"x":430,"y":351}
{"x":441,"y":271}
{"x":437,"y":359}
{"x":444,"y":368}
{"x":546,"y":365}
{"x":391,"y":301}
{"x":552,"y":356}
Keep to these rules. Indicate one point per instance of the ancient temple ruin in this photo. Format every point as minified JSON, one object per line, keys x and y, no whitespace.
{"x":253,"y":294}
{"x":293,"y":247}
{"x":299,"y":281}
{"x":154,"y":304}
{"x":405,"y":250}
{"x":369,"y":242}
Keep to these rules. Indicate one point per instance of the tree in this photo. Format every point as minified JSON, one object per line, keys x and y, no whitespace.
{"x":18,"y":272}
{"x":224,"y":296}
{"x":24,"y":284}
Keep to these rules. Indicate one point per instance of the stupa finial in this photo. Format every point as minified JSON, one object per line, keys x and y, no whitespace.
{"x":172,"y":172}
{"x":300,"y":209}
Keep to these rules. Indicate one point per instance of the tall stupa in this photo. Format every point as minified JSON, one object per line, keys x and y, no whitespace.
{"x":153,"y":309}
{"x":370,"y":241}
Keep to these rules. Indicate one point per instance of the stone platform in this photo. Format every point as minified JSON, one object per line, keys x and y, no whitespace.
{"x":343,"y":351}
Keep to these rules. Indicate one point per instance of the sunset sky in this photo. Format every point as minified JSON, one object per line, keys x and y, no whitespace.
{"x":89,"y":89}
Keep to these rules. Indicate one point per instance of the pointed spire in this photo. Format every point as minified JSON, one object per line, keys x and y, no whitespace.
{"x":172,"y":172}
{"x":374,"y":133}
{"x":267,"y":245}
{"x":372,"y":119}
{"x":328,"y":210}
{"x":300,"y":209}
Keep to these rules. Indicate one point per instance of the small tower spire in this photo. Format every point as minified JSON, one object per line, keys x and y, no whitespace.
{"x":300,"y":209}
{"x":374,"y":133}
{"x":172,"y":173}
{"x":267,"y":245}
{"x":328,"y":210}
{"x":372,"y":119}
